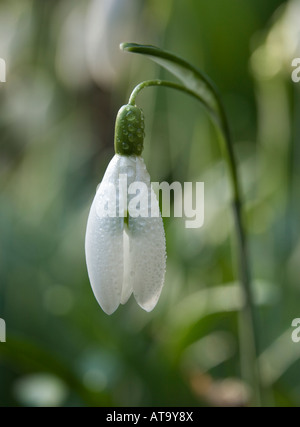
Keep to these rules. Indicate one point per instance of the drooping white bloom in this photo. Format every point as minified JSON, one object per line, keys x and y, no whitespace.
{"x":125,"y":254}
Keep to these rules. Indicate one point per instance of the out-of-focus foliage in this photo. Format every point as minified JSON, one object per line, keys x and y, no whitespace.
{"x":66,"y":79}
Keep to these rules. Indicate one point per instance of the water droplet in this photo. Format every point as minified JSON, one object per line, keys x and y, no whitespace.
{"x":131,"y":137}
{"x":130,"y":116}
{"x":125,"y":146}
{"x":130,"y":171}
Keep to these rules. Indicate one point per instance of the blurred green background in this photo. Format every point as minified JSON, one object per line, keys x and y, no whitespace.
{"x":66,"y":79}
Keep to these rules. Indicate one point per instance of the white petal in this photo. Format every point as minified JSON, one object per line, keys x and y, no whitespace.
{"x":104,"y":245}
{"x":147,"y":249}
{"x":121,"y":262}
{"x":127,"y":282}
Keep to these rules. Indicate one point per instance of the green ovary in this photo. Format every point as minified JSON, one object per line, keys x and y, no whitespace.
{"x":129,"y":131}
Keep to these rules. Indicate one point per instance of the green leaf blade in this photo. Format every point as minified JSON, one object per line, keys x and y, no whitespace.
{"x":192,"y":78}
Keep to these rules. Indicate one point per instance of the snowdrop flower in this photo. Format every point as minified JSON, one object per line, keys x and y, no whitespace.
{"x":125,"y":241}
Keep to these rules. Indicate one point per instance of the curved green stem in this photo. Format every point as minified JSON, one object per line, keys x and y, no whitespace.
{"x":164,"y":83}
{"x":198,"y":85}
